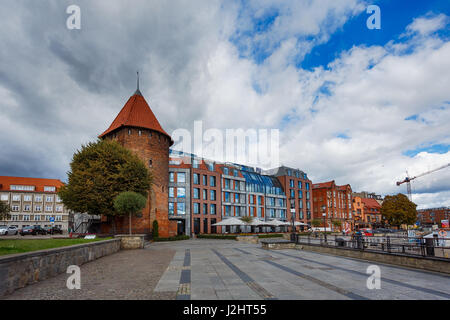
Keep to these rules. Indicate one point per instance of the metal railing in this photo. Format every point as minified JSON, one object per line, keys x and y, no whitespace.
{"x":425,"y":247}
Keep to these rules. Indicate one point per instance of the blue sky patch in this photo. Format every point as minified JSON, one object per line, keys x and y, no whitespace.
{"x":343,"y":136}
{"x":435,"y":148}
{"x":396,"y":15}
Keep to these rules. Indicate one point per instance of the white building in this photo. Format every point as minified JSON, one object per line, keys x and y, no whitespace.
{"x":33,"y":201}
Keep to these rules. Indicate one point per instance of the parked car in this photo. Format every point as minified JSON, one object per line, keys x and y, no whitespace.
{"x":53,"y":230}
{"x":383,"y":230}
{"x":366,"y":232}
{"x":5,"y":230}
{"x":33,"y":230}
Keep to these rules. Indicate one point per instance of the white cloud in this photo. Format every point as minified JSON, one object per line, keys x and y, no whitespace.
{"x":427,"y":25}
{"x":61,"y":88}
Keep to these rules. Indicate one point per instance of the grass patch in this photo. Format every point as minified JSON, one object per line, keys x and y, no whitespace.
{"x":176,"y":238}
{"x":27,"y":245}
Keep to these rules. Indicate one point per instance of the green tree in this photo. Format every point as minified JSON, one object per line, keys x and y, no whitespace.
{"x":99,"y":172}
{"x":4,"y":210}
{"x":337,"y":223}
{"x":247,"y":220}
{"x":398,"y":210}
{"x":130,"y":203}
{"x":316,"y":223}
{"x":155,"y":229}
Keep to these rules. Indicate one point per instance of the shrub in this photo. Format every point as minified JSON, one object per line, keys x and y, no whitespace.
{"x":155,"y":229}
{"x":276,"y":235}
{"x":176,"y":238}
{"x":216,"y":236}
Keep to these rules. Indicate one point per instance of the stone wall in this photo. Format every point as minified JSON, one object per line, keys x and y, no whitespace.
{"x":249,"y":239}
{"x":277,"y":245}
{"x":134,"y":241}
{"x":20,"y":270}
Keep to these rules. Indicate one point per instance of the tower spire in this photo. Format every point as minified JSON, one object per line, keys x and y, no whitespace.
{"x":138,"y":92}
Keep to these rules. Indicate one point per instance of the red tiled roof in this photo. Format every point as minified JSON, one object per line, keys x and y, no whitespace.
{"x":135,"y":113}
{"x":371,"y":203}
{"x":38,"y":183}
{"x":343,"y":188}
{"x":323,"y":185}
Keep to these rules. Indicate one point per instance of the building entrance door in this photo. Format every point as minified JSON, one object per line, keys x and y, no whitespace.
{"x":181,"y":225}
{"x":196,"y":225}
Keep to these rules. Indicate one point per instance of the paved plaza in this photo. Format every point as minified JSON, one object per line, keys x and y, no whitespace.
{"x":227,"y":269}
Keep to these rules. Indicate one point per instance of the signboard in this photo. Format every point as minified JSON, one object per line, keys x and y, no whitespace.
{"x":90,"y":236}
{"x":411,"y":235}
{"x":347,"y":227}
{"x":445,"y":224}
{"x":52,"y":219}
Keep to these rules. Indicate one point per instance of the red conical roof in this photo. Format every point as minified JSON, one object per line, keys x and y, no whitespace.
{"x":135,"y":113}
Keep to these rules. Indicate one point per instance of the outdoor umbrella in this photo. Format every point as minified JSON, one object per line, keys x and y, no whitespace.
{"x":296,"y":223}
{"x":257,"y":222}
{"x":277,"y":223}
{"x":230,"y":222}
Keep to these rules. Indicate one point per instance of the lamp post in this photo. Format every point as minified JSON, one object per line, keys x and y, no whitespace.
{"x":293,"y":224}
{"x":324,"y":222}
{"x":353,"y":222}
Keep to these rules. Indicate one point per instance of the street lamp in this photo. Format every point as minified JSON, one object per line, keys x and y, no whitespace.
{"x":293,"y":224}
{"x":324,"y":222}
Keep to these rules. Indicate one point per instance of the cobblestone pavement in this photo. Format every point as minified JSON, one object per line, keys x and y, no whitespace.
{"x":128,"y":274}
{"x":226,"y":269}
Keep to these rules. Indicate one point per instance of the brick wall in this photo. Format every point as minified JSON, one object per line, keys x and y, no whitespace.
{"x":153,"y":148}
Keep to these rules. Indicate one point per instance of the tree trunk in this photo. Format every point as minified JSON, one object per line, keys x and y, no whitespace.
{"x":114,"y":224}
{"x":129,"y":222}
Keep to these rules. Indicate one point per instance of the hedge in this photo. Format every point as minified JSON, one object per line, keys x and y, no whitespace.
{"x":176,"y":238}
{"x":277,"y":235}
{"x":212,"y":236}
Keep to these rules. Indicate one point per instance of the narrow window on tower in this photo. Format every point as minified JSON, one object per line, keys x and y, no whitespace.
{"x":150,"y":163}
{"x":129,"y":131}
{"x":140,"y":133}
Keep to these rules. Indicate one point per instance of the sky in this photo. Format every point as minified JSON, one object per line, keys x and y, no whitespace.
{"x":354,"y":105}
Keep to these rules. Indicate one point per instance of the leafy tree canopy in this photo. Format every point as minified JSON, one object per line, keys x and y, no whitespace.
{"x":4,"y":210}
{"x":247,"y":219}
{"x":337,"y":223}
{"x":399,"y":210}
{"x":129,"y":203}
{"x":316,"y":222}
{"x":99,"y":172}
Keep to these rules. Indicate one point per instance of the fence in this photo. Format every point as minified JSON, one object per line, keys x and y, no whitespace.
{"x":425,"y":247}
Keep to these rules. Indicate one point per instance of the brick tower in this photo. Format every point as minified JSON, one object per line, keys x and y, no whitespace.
{"x":137,"y":129}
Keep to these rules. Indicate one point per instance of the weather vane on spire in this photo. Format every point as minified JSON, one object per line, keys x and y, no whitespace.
{"x":138,"y":92}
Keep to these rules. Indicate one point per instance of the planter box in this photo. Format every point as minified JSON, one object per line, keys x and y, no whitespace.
{"x":249,"y":239}
{"x":133,"y":241}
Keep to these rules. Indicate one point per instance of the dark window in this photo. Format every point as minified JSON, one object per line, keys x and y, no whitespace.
{"x":196,"y":225}
{"x":196,"y":178}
